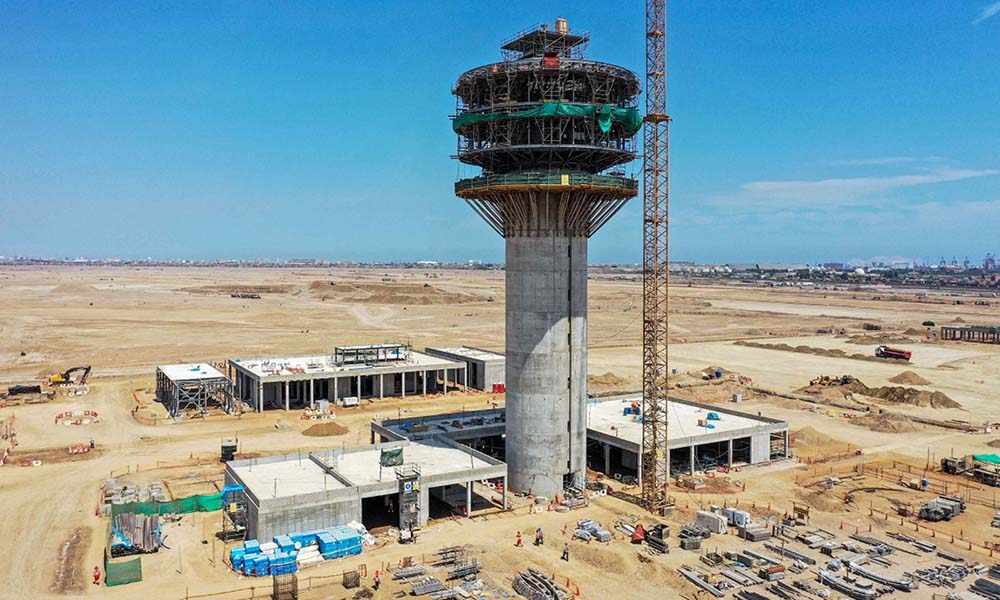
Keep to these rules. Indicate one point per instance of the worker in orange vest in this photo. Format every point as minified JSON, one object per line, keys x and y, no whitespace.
{"x":377,"y":581}
{"x":519,"y":543}
{"x":97,"y":575}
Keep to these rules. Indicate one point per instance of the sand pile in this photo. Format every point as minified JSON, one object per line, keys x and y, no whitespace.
{"x":828,"y":352}
{"x":325,"y":429}
{"x":878,"y":340}
{"x":915,"y":331}
{"x":410,"y":294}
{"x":714,"y":393}
{"x":994,"y":444}
{"x":887,"y":423}
{"x":608,"y":379}
{"x":73,"y":289}
{"x":913,"y":397}
{"x":811,"y":438}
{"x":958,"y":320}
{"x":909,"y":378}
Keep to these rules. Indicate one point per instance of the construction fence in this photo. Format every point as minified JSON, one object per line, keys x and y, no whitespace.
{"x":182,"y":506}
{"x":121,"y":572}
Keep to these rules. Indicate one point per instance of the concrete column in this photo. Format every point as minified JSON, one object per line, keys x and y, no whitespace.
{"x":402,"y":387}
{"x":381,"y":385}
{"x":730,"y":452}
{"x":468,"y":498}
{"x":260,"y":397}
{"x":424,"y":380}
{"x":607,"y":459}
{"x":312,"y":393}
{"x":693,"y":451}
{"x":359,"y":387}
{"x":425,"y":505}
{"x":546,"y":372}
{"x":504,"y":500}
{"x":286,"y":395}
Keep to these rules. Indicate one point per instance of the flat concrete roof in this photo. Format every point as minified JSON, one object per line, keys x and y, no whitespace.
{"x":319,"y":366}
{"x":607,"y":417}
{"x":355,"y":470}
{"x":190,"y":372}
{"x":469,"y":352}
{"x":361,"y":467}
{"x":290,"y":477}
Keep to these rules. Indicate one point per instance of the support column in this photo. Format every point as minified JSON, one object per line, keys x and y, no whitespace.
{"x":402,"y":379}
{"x":730,"y":454}
{"x":359,"y":388}
{"x":336,"y":390}
{"x":693,"y":450}
{"x":504,"y":500}
{"x":425,"y":505}
{"x":607,"y":459}
{"x":286,"y":395}
{"x":468,"y":499}
{"x":312,"y":393}
{"x":260,"y":397}
{"x":381,"y":385}
{"x":424,"y":380}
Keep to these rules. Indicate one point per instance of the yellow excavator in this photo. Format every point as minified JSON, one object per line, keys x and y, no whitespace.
{"x":66,"y":377}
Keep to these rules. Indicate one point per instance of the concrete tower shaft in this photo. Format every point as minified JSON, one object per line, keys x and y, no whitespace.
{"x":546,"y":125}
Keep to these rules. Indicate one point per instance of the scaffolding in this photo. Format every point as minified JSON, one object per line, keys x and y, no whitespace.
{"x":234,"y":514}
{"x":408,"y":476}
{"x":180,"y":388}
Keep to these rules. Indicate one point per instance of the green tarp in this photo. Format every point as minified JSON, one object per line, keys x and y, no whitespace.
{"x":391,"y":458}
{"x":120,"y":573}
{"x":606,"y":114}
{"x":207,"y":503}
{"x":993,"y":459}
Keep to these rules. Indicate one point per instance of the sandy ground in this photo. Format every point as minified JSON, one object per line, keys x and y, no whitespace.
{"x":126,"y":321}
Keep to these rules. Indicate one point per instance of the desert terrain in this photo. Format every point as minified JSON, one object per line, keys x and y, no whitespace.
{"x":124,"y":321}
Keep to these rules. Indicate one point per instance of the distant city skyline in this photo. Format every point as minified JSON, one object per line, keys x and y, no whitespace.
{"x":804,"y":132}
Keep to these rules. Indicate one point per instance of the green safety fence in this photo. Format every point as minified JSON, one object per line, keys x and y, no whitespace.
{"x":120,"y":573}
{"x":206,"y":503}
{"x":993,"y":459}
{"x":606,"y":114}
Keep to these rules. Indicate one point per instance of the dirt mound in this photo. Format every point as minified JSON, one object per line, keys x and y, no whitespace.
{"x":807,"y":436}
{"x":714,"y":393}
{"x":913,"y":397}
{"x":958,"y":320}
{"x":828,"y":352}
{"x":887,"y":423}
{"x":909,"y":378}
{"x":325,"y":429}
{"x":73,"y":289}
{"x":608,"y":379}
{"x":994,"y":444}
{"x":238,"y":289}
{"x":599,"y":556}
{"x":822,"y":500}
{"x":389,"y":293}
{"x":879,"y":340}
{"x":915,"y":331}
{"x":70,"y":575}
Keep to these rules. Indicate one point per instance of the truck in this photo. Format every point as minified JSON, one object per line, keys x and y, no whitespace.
{"x":896,"y":353}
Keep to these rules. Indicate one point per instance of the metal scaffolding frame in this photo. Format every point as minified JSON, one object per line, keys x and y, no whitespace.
{"x":178,"y":395}
{"x":655,"y":264}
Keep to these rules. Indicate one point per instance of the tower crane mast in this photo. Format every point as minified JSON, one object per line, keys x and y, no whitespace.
{"x":655,"y":458}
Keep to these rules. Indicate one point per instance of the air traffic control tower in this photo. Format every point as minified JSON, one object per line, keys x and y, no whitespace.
{"x":549,"y":128}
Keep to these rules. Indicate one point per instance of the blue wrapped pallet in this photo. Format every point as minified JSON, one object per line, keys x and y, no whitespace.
{"x":284,"y":542}
{"x":252,"y":547}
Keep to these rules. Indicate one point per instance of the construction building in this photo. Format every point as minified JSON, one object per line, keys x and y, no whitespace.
{"x":702,"y":436}
{"x":486,"y":370}
{"x":971,"y":333}
{"x":399,"y":483}
{"x":550,"y":130}
{"x":192,"y":387}
{"x":352,"y":373}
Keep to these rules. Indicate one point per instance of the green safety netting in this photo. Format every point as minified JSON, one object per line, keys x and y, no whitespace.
{"x":207,"y":503}
{"x":629,"y":118}
{"x":120,"y":573}
{"x":993,"y":459}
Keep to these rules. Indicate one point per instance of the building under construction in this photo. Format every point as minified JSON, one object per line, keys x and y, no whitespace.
{"x":349,"y":374}
{"x":550,"y":130}
{"x":983,"y":334}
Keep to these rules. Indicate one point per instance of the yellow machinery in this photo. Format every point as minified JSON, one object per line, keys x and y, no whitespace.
{"x":66,"y":377}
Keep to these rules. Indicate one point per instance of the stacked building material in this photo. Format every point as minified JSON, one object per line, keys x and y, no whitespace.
{"x":409,"y":572}
{"x":906,"y":585}
{"x":286,"y":553}
{"x":714,"y":522}
{"x":790,"y":553}
{"x":846,"y":587}
{"x":594,"y":529}
{"x":986,"y":588}
{"x":427,"y":585}
{"x":535,"y":585}
{"x":135,"y":534}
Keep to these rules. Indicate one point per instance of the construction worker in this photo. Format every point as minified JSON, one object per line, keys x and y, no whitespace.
{"x":519,"y":543}
{"x":565,"y":555}
{"x":392,"y":508}
{"x":539,"y":537}
{"x":97,"y":575}
{"x":91,"y":443}
{"x":377,"y":581}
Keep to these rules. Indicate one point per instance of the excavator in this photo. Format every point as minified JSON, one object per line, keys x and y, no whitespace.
{"x":66,"y":377}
